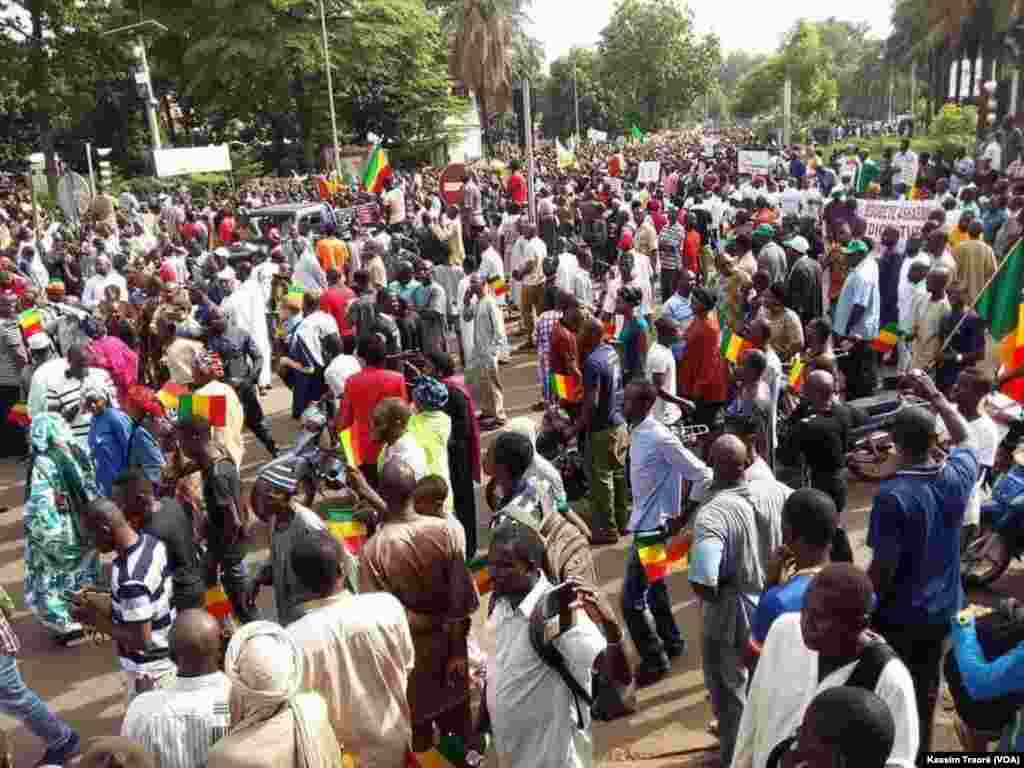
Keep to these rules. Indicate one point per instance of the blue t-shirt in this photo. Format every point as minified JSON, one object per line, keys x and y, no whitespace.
{"x":785,"y":598}
{"x":603,"y":372}
{"x":915,"y":523}
{"x":632,"y":359}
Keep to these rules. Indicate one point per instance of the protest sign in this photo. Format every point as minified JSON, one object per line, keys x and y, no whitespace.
{"x":754,"y":162}
{"x":908,"y":216}
{"x":597,"y":136}
{"x":649,"y":171}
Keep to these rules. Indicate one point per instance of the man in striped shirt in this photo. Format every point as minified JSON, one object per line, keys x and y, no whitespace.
{"x":181,"y":723}
{"x":141,"y":588}
{"x":64,"y":393}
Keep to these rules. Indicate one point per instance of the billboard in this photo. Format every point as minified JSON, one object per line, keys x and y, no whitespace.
{"x":179,"y":162}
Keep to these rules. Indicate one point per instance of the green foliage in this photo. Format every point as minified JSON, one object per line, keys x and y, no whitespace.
{"x":955,"y":126}
{"x":653,"y":64}
{"x":560,"y":111}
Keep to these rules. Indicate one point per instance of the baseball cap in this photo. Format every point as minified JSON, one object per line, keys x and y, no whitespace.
{"x":765,"y":229}
{"x":856,"y":246}
{"x":798,"y":244}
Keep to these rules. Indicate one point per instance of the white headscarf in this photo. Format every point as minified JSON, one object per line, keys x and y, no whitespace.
{"x":265,"y":668}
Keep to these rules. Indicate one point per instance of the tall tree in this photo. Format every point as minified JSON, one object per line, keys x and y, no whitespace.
{"x":575,"y":75}
{"x":653,"y":64}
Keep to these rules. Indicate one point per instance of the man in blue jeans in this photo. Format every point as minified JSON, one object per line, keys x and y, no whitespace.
{"x":20,"y":701}
{"x":658,"y":464}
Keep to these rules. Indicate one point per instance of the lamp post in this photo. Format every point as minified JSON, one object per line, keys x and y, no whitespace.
{"x":576,"y":98}
{"x":142,"y":76}
{"x":330,"y":91}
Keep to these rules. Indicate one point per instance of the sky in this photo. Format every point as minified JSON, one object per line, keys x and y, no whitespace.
{"x":752,"y":25}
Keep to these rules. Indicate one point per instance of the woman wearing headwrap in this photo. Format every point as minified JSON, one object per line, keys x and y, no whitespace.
{"x":463,"y":445}
{"x":274,"y":725}
{"x":112,"y":355}
{"x":432,"y":428}
{"x":109,"y":435}
{"x":144,"y":452}
{"x":58,"y":556}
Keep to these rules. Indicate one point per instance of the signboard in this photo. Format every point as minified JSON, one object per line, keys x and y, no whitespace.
{"x":649,"y":171}
{"x":453,"y":179}
{"x":908,"y":216}
{"x":597,"y":136}
{"x":754,"y":162}
{"x":179,"y":162}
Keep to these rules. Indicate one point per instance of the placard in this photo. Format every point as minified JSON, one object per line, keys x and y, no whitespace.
{"x":908,"y":216}
{"x":186,"y":160}
{"x":648,"y":172}
{"x":754,"y":162}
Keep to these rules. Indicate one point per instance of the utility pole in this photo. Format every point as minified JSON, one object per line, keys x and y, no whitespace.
{"x":330,"y":91}
{"x":142,"y":77}
{"x":528,"y":119}
{"x":88,"y":159}
{"x":787,"y":107}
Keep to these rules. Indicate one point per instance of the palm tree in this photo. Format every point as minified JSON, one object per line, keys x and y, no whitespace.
{"x":485,"y":35}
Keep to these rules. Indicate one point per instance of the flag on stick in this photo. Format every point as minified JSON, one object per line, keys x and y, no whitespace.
{"x":887,"y":338}
{"x":797,"y":374}
{"x":498,"y":285}
{"x":210,"y":408}
{"x":636,"y":134}
{"x":568,"y":388}
{"x":450,"y":752}
{"x":19,"y":415}
{"x":31,"y":322}
{"x":661,"y":555}
{"x":377,"y":169}
{"x":733,"y":346}
{"x":217,"y":603}
{"x":170,"y":394}
{"x":481,"y":576}
{"x":349,"y":531}
{"x":350,"y":446}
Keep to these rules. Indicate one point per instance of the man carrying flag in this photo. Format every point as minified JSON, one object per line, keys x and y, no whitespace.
{"x":658,"y":465}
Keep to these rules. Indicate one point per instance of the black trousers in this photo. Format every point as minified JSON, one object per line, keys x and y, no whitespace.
{"x":254,"y":417}
{"x":226,"y":563}
{"x":836,"y":486}
{"x":669,"y":278}
{"x":860,"y":368}
{"x":920,"y":648}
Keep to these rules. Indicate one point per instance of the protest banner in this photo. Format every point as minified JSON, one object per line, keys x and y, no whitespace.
{"x":908,"y":216}
{"x":754,"y":162}
{"x":649,"y":171}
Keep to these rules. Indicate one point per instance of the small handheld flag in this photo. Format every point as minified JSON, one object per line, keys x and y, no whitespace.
{"x":450,"y":752}
{"x":481,"y":576}
{"x":209,"y":408}
{"x":498,"y":285}
{"x":660,"y":555}
{"x":350,"y":447}
{"x":349,"y":531}
{"x":797,"y":374}
{"x":734,"y":345}
{"x":19,"y":415}
{"x":887,"y":338}
{"x":567,"y":388}
{"x":217,"y":603}
{"x":31,"y":322}
{"x":170,"y":394}
{"x":296,"y":289}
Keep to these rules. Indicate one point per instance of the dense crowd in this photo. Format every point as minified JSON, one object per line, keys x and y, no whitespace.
{"x":697,"y":337}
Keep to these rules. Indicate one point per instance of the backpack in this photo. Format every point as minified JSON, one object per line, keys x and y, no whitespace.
{"x":997,"y":634}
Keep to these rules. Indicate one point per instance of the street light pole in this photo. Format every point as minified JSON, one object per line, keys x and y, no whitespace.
{"x":143,"y":78}
{"x":330,"y":91}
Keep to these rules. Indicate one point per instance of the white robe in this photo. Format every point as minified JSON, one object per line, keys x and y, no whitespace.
{"x":247,"y":309}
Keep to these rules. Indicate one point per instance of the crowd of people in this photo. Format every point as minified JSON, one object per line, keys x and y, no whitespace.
{"x":748,"y":309}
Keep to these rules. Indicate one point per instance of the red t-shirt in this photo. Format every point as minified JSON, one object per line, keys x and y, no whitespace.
{"x":335,"y":302}
{"x":226,"y":230}
{"x":517,"y":188}
{"x":363,"y":391}
{"x":702,"y":374}
{"x":691,"y":251}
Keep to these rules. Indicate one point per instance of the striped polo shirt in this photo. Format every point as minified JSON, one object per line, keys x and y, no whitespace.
{"x":141,"y":587}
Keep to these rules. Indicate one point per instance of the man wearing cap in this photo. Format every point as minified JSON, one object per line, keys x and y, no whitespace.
{"x":803,"y":287}
{"x":856,"y":319}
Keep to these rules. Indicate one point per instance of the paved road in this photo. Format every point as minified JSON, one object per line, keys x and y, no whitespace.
{"x":82,"y":683}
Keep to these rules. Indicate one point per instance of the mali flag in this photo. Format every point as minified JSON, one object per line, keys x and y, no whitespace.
{"x":797,"y":374}
{"x":217,"y":603}
{"x":347,"y":529}
{"x":661,"y":555}
{"x":31,"y":322}
{"x":734,"y":345}
{"x":481,"y":576}
{"x":887,"y":338}
{"x":1002,"y":309}
{"x":498,"y":285}
{"x":19,"y":415}
{"x":170,"y":395}
{"x":349,"y":442}
{"x":568,"y":388}
{"x":450,"y":752}
{"x":210,"y":408}
{"x":377,"y":169}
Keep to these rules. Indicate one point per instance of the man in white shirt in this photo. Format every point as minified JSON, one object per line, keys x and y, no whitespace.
{"x":95,"y":286}
{"x":811,"y":200}
{"x":537,"y":721}
{"x":791,"y":201}
{"x":993,"y":152}
{"x":179,"y":724}
{"x":969,"y":392}
{"x":394,"y":203}
{"x":824,"y":646}
{"x":905,"y":166}
{"x":661,"y":370}
{"x":390,"y":427}
{"x":530,"y":272}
